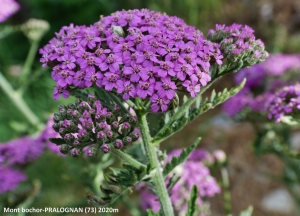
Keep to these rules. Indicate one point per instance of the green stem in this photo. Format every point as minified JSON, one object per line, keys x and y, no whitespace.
{"x":35,"y":75}
{"x":29,"y":61}
{"x":157,"y":176}
{"x":127,"y":158}
{"x":19,"y":102}
{"x":226,"y":192}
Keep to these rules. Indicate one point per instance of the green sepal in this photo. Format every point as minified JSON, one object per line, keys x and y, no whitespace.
{"x":192,"y":202}
{"x":57,"y":141}
{"x":181,"y":158}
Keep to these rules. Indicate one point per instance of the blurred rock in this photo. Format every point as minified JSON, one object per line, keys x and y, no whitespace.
{"x":279,"y":201}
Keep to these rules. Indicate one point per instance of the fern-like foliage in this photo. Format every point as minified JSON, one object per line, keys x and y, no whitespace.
{"x":175,"y":161}
{"x":192,"y":202}
{"x":201,"y":107}
{"x":117,"y":182}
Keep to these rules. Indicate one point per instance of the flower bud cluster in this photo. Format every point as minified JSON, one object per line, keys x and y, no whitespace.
{"x":34,"y":29}
{"x":238,"y":43}
{"x":89,"y":125}
{"x":137,"y":54}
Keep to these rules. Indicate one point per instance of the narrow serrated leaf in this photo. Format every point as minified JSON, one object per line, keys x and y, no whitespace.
{"x":57,"y":141}
{"x":181,"y":158}
{"x":192,"y":202}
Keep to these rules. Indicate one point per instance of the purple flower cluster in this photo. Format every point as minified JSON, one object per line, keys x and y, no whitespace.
{"x":13,"y":154}
{"x":8,"y":7}
{"x":284,"y":102}
{"x":89,"y":125}
{"x":10,"y":178}
{"x":20,"y":151}
{"x":263,"y":83}
{"x":192,"y":172}
{"x":238,"y":43}
{"x":135,"y":53}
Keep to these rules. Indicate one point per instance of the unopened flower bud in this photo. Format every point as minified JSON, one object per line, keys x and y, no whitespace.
{"x":56,"y":127}
{"x":101,"y":126}
{"x":127,"y":140}
{"x":83,"y":106}
{"x":77,"y":101}
{"x":110,"y":117}
{"x":109,"y":135}
{"x":91,"y":152}
{"x":71,"y":106}
{"x":69,"y":138}
{"x":105,"y":148}
{"x":56,"y":117}
{"x":115,"y":126}
{"x":75,"y":152}
{"x":62,"y":132}
{"x":76,"y":142}
{"x":101,"y":136}
{"x":118,"y":144}
{"x":64,"y":149}
{"x":125,"y":129}
{"x":134,"y":136}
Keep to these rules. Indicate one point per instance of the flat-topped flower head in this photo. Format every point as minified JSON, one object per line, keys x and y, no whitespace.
{"x":89,"y":126}
{"x":135,"y":53}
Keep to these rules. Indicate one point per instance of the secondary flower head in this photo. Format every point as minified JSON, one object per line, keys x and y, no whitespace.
{"x":192,"y":172}
{"x":8,"y":7}
{"x":238,"y":43}
{"x":264,"y":83}
{"x":135,"y":53}
{"x":284,"y":102}
{"x":88,"y":126}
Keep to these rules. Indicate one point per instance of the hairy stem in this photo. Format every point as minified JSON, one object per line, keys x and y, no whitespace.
{"x":157,"y":176}
{"x":19,"y":102}
{"x":127,"y":158}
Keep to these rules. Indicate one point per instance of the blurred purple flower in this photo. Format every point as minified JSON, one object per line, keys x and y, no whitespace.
{"x":10,"y":178}
{"x":192,"y":172}
{"x":8,"y":7}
